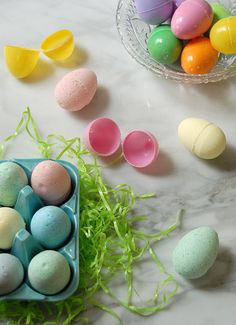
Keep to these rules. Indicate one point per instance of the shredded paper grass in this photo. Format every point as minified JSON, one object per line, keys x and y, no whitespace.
{"x":110,"y":244}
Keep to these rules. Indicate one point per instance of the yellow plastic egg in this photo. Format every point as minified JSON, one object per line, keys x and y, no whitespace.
{"x":20,"y":61}
{"x":203,"y":138}
{"x":223,"y":35}
{"x":59,"y":45}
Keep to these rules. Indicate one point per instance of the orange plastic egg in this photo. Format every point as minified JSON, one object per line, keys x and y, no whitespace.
{"x":198,"y":56}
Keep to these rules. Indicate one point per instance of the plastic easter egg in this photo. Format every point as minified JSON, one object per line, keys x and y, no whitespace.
{"x":102,"y":136}
{"x":163,"y":46}
{"x":191,"y":19}
{"x":11,"y":273}
{"x":20,"y":61}
{"x":178,"y":2}
{"x":12,"y":179}
{"x":223,"y":35}
{"x":198,"y":56}
{"x":59,"y":45}
{"x":196,"y":252}
{"x":49,"y":272}
{"x":76,"y":89}
{"x":202,"y":138}
{"x":140,"y":148}
{"x":10,"y":223}
{"x":50,"y":226}
{"x":154,"y":12}
{"x":219,"y":12}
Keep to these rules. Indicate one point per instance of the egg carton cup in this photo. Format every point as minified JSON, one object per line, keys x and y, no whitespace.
{"x":25,"y":247}
{"x":134,"y":34}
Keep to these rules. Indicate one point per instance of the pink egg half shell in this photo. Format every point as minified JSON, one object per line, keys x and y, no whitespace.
{"x":191,"y":19}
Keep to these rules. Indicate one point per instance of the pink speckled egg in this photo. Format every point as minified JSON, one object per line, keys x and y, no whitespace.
{"x":51,"y":182}
{"x":76,"y":89}
{"x":191,"y":19}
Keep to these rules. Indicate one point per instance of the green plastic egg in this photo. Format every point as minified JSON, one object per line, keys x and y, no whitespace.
{"x":219,"y":12}
{"x":163,"y":46}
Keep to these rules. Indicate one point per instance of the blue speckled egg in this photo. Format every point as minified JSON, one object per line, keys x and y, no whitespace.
{"x":12,"y":179}
{"x":51,"y":226}
{"x":196,"y":252}
{"x":11,"y":273}
{"x":49,"y":272}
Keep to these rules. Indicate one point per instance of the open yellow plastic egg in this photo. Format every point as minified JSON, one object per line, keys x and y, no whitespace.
{"x":59,"y":45}
{"x":20,"y":61}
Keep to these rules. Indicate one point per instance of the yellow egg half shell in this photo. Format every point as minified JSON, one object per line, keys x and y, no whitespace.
{"x":20,"y":61}
{"x":59,"y":45}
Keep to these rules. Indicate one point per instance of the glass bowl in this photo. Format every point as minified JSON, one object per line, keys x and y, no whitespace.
{"x":134,"y":34}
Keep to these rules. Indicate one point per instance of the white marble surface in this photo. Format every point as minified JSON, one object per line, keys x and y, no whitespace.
{"x":135,"y":98}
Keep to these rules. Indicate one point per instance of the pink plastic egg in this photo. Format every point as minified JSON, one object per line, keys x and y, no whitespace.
{"x":140,"y":148}
{"x":102,"y":136}
{"x":191,"y":19}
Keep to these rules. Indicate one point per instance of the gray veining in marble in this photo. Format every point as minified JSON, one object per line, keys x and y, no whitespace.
{"x":135,"y":98}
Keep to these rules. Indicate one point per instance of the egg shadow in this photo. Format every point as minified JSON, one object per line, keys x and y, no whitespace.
{"x":161,"y":166}
{"x":78,"y":57}
{"x":225,"y":162}
{"x":219,"y":273}
{"x":217,"y":91}
{"x":42,"y":71}
{"x":114,"y":160}
{"x":96,"y":107}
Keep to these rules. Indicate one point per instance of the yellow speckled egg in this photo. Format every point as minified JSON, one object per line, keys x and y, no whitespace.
{"x":205,"y":139}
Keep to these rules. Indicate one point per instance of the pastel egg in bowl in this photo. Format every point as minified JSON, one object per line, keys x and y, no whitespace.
{"x":134,"y":34}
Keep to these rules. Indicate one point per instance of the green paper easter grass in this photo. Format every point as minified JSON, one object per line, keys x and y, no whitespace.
{"x":109,"y":242}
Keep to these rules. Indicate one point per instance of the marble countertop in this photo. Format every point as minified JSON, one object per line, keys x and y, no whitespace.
{"x":134,"y":98}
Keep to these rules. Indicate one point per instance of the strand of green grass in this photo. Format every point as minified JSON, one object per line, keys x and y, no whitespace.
{"x":109,"y":243}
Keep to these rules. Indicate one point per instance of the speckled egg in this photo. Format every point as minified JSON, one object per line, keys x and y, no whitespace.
{"x":51,"y":226}
{"x":51,"y":182}
{"x":12,"y":179}
{"x":10,"y":223}
{"x":196,"y":252}
{"x":49,"y":272}
{"x":11,"y":273}
{"x":76,"y":89}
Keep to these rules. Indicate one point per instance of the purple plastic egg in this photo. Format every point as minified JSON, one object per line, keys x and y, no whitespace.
{"x":178,"y":2}
{"x":154,"y":12}
{"x":191,"y":19}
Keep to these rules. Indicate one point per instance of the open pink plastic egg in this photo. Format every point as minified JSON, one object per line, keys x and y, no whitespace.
{"x":140,"y":148}
{"x":102,"y":136}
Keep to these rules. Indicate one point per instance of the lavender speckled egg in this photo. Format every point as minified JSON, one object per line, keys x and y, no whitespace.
{"x":191,"y":19}
{"x":154,"y":12}
{"x":11,"y":273}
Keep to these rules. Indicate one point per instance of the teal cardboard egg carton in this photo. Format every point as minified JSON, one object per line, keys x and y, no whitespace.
{"x":25,"y":246}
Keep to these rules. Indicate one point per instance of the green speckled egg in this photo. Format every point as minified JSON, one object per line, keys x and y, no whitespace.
{"x":12,"y":179}
{"x":196,"y":252}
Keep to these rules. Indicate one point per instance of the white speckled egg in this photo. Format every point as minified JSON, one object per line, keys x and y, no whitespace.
{"x":196,"y":252}
{"x":76,"y":89}
{"x":203,"y":138}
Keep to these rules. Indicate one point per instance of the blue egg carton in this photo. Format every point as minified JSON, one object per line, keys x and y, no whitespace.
{"x":25,"y":246}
